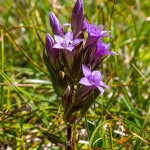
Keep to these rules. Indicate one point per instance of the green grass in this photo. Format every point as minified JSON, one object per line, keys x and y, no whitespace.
{"x":121,"y":116}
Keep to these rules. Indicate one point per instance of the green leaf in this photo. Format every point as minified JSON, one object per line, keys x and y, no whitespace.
{"x":53,"y":75}
{"x":55,"y":139}
{"x":96,"y":130}
{"x":130,"y":106}
{"x":2,"y":134}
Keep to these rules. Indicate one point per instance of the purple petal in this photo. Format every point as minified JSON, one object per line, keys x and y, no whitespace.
{"x":76,"y":41}
{"x":78,"y":34}
{"x":100,"y":89}
{"x":49,"y":43}
{"x":103,"y":32}
{"x":67,"y":24}
{"x":58,"y":46}
{"x":85,"y":81}
{"x":106,"y":35}
{"x":58,"y":39}
{"x":86,"y":24}
{"x":70,"y":48}
{"x":103,"y":84}
{"x":97,"y":75}
{"x":86,"y":71}
{"x":112,"y":53}
{"x":69,"y":35}
{"x":56,"y":26}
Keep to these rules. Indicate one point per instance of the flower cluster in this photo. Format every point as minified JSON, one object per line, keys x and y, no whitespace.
{"x":68,"y":60}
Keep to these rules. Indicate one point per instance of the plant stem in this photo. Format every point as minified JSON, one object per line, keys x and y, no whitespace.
{"x":69,"y":137}
{"x":2,"y":68}
{"x":1,"y":78}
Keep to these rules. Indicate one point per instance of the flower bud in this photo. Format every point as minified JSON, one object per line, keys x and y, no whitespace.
{"x":53,"y":53}
{"x":56,"y":26}
{"x":77,"y":17}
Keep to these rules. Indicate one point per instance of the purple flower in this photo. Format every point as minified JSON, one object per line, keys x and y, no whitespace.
{"x":92,"y":79}
{"x":96,"y":31}
{"x":77,"y":17}
{"x":102,"y":49}
{"x":53,"y":53}
{"x":49,"y":44}
{"x":56,"y":26}
{"x":66,"y":42}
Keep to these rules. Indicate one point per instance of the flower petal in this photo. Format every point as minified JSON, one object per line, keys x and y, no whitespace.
{"x":69,"y":35}
{"x":100,"y":89}
{"x":49,"y":43}
{"x":85,"y":81}
{"x":103,"y":84}
{"x":58,"y":39}
{"x":67,"y":24}
{"x":58,"y":46}
{"x":112,"y":53}
{"x":106,"y":35}
{"x":86,"y":71}
{"x":86,"y":24}
{"x":97,"y":75}
{"x":70,"y":48}
{"x":76,"y":41}
{"x":103,"y":32}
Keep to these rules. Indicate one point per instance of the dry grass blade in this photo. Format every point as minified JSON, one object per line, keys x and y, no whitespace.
{"x":114,"y":141}
{"x":125,"y":84}
{"x":121,"y":144}
{"x":110,"y":76}
{"x":16,"y":84}
{"x":142,"y":139}
{"x":141,"y":75}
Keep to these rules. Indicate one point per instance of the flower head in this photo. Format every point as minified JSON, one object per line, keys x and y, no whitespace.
{"x":93,"y":79}
{"x":102,"y":49}
{"x":66,"y":42}
{"x":96,"y":31}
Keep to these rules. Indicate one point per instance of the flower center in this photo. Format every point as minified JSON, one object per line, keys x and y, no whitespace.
{"x":91,"y":79}
{"x":67,"y":42}
{"x":95,"y":78}
{"x":96,"y":30}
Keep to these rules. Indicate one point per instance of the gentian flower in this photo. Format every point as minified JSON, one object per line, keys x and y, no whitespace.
{"x":66,"y":42}
{"x":56,"y":26}
{"x":92,"y":79}
{"x":65,"y":65}
{"x":102,"y":49}
{"x":96,"y":31}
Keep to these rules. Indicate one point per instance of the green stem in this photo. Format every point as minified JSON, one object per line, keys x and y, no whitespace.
{"x":2,"y":68}
{"x":1,"y":78}
{"x":110,"y":137}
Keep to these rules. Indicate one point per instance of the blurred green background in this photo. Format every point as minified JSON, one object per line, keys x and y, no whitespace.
{"x":31,"y":106}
